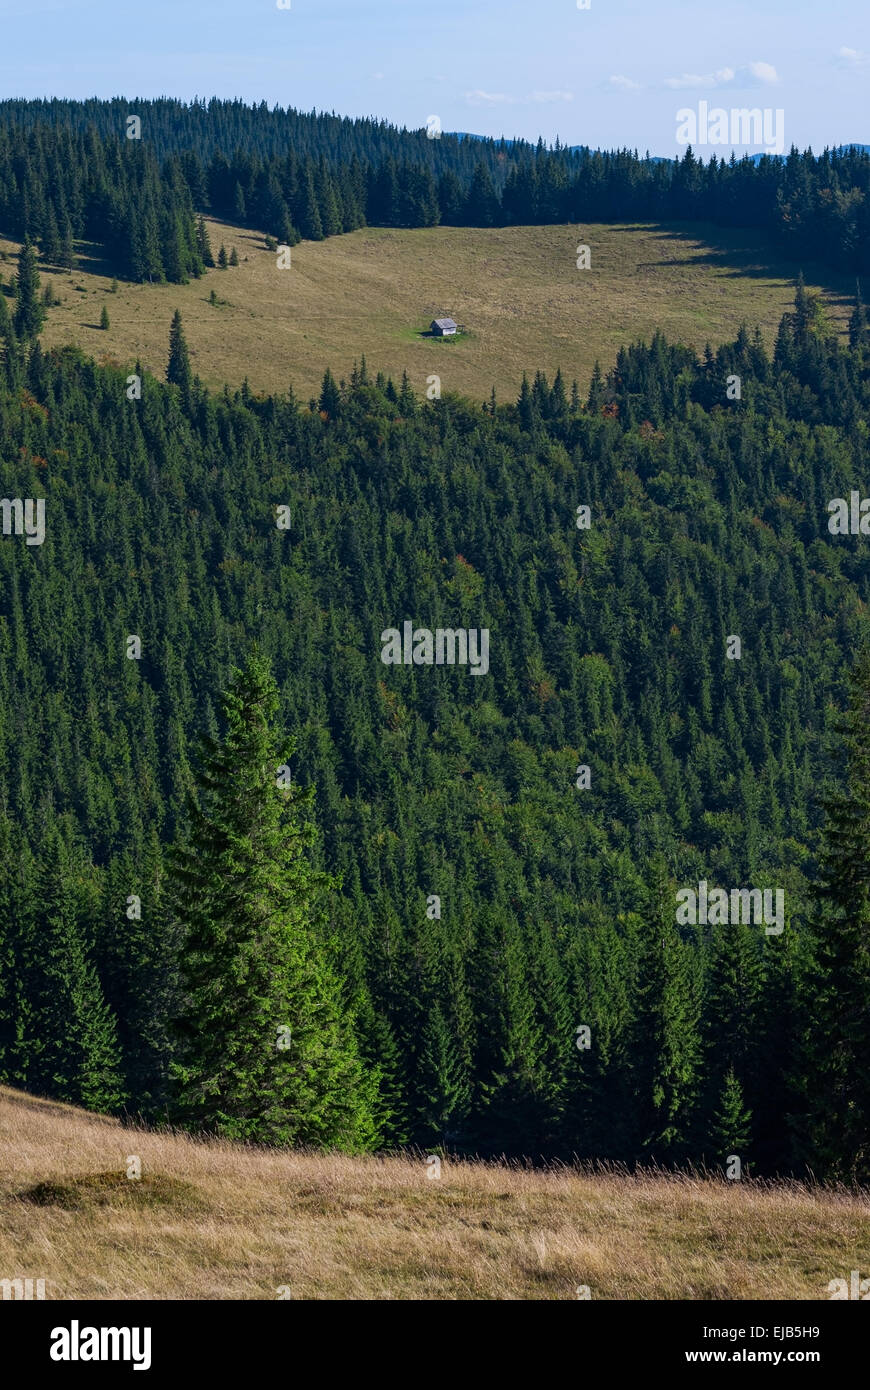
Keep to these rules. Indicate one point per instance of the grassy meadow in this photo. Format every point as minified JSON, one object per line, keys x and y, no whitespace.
{"x":217,"y":1221}
{"x":517,"y":291}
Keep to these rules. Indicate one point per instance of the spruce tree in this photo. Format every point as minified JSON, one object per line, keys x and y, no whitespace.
{"x":7,"y":332}
{"x":858,"y":322}
{"x":732,"y":1121}
{"x":203,"y":243}
{"x":178,"y":371}
{"x":266,"y":1053}
{"x":835,"y":1123}
{"x":330,"y":396}
{"x":50,"y":243}
{"x":310,"y":224}
{"x":67,"y":256}
{"x":732,"y":1018}
{"x":666,"y":1049}
{"x":67,"y":1041}
{"x":29,"y":314}
{"x":445,"y":1095}
{"x":482,"y":206}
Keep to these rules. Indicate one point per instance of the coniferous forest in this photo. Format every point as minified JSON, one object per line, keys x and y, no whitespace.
{"x":72,"y":170}
{"x":257,"y":881}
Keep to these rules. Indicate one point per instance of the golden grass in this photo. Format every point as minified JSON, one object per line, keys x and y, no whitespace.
{"x":217,"y":1221}
{"x":516,"y":289}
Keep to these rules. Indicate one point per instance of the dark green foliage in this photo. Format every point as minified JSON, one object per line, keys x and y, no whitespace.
{"x":178,"y":371}
{"x":57,"y":1035}
{"x":835,"y":1118}
{"x":731,"y":1122}
{"x":265,"y":1052}
{"x":607,"y":649}
{"x":203,"y":243}
{"x":65,"y":172}
{"x":29,"y":313}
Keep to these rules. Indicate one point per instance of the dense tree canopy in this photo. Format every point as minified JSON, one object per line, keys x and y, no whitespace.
{"x":493,"y":902}
{"x":69,"y":171}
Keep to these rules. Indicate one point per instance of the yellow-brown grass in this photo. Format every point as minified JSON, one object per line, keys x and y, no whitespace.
{"x":214,"y":1221}
{"x":517,"y":290}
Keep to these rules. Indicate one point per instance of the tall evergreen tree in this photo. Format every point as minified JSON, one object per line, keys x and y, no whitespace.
{"x":731,"y":1128}
{"x":203,"y":243}
{"x":66,"y":1042}
{"x":310,"y":224}
{"x":666,"y":1049}
{"x":178,"y":371}
{"x":836,"y":1076}
{"x":29,"y":314}
{"x":266,"y":1053}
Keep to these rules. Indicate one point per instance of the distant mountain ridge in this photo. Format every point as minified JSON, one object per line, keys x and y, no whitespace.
{"x":653,"y":158}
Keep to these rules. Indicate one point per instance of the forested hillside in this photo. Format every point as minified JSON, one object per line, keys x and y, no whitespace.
{"x":68,"y":170}
{"x":608,"y":649}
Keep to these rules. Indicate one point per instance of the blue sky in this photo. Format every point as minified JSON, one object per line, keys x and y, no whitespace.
{"x":615,"y":74}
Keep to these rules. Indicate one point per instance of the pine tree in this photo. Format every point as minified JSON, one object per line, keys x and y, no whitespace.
{"x":104,"y":317}
{"x":99,"y":1082}
{"x":203,"y":243}
{"x":330,"y":213}
{"x":266,"y":1053}
{"x":407,"y":399}
{"x":50,"y":245}
{"x":29,"y":315}
{"x":858,"y":321}
{"x":516,"y":1104}
{"x":222,"y":257}
{"x":525,"y":405}
{"x":836,"y":1076}
{"x":16,"y":931}
{"x":558,"y":402}
{"x":178,"y":371}
{"x":67,"y":1044}
{"x":67,"y":256}
{"x":234,"y":257}
{"x":482,"y":206}
{"x":445,"y":1095}
{"x":732,"y":1021}
{"x":9,"y":349}
{"x":330,"y":396}
{"x":595,"y":399}
{"x":802,"y":313}
{"x":666,"y":1048}
{"x":732,"y":1121}
{"x":310,"y":224}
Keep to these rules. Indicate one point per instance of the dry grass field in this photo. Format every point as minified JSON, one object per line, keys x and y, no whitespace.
{"x":517,"y":291}
{"x":212,"y":1221}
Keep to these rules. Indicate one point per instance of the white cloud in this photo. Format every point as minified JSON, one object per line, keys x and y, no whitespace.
{"x":624,"y":84}
{"x":709,"y":79}
{"x":765,"y":73}
{"x":478,"y":98}
{"x":851,"y":57}
{"x":749,"y":75}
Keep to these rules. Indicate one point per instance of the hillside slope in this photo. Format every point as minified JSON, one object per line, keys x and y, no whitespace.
{"x":517,"y":291}
{"x":209,"y":1221}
